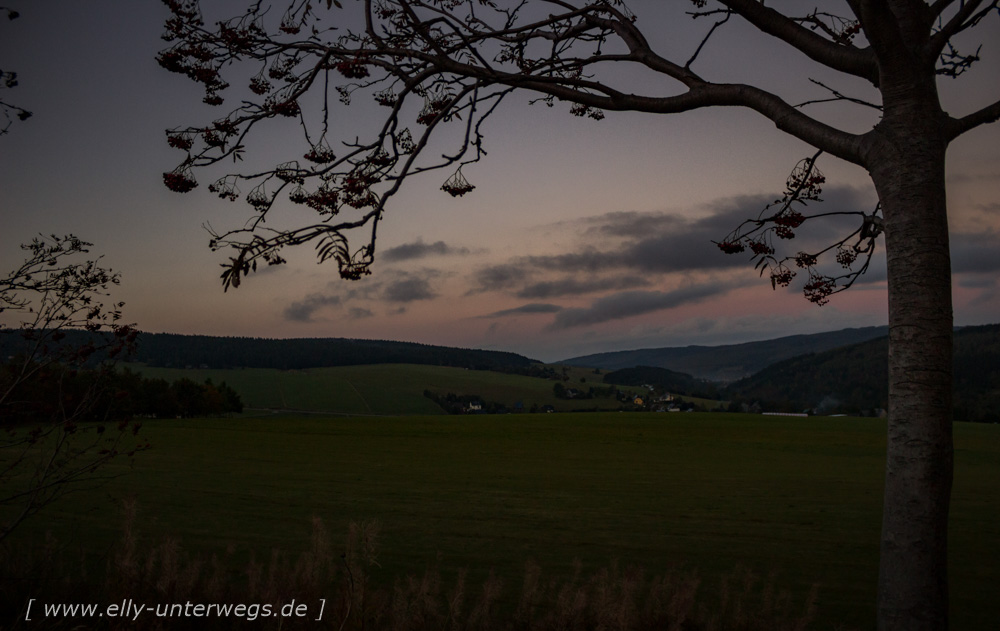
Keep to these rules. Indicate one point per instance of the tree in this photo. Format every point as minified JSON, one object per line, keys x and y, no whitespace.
{"x":58,"y":419}
{"x":443,"y":66}
{"x":8,"y":80}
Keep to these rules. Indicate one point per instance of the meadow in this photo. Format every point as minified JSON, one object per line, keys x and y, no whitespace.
{"x":797,"y":500}
{"x":386,"y":389}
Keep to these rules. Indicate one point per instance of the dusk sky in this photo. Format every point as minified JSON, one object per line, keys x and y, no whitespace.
{"x":581,"y":236}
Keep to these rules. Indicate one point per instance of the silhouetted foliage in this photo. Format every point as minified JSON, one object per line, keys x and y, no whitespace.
{"x":9,"y":80}
{"x":58,"y":420}
{"x":157,"y":398}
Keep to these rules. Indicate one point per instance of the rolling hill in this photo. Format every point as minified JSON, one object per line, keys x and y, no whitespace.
{"x":728,"y":362}
{"x":170,"y":350}
{"x":854,"y":379}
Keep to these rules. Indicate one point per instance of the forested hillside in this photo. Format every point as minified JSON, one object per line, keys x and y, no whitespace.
{"x":728,"y":362}
{"x":854,"y":379}
{"x":194,"y":351}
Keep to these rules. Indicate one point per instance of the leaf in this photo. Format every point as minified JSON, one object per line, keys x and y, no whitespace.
{"x":332,"y":3}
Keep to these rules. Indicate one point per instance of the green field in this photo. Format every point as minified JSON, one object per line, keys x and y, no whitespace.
{"x":800,"y":498}
{"x":384,"y":389}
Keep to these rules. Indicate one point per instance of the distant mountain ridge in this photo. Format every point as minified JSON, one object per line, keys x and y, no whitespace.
{"x":171,"y":350}
{"x":728,"y":362}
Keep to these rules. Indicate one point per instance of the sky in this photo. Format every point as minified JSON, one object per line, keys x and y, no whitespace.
{"x":581,"y":236}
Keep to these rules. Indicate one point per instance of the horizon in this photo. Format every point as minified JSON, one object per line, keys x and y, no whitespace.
{"x":623,"y":350}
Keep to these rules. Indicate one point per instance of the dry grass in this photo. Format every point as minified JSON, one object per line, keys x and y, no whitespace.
{"x":613,"y":599}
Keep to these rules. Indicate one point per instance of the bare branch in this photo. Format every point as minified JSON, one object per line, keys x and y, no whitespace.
{"x":984,"y":116}
{"x":845,"y":58}
{"x":837,"y":96}
{"x":726,"y":15}
{"x":969,"y":14}
{"x":804,"y":185}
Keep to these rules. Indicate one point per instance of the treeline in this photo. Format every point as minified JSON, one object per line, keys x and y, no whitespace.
{"x":195,"y":351}
{"x":560,"y":391}
{"x":181,"y":351}
{"x":185,"y":398}
{"x":57,"y":392}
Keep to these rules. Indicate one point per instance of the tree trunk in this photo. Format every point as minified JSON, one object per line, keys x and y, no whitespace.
{"x":908,"y":172}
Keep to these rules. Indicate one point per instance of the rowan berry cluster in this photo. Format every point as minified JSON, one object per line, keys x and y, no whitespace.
{"x":280,"y":69}
{"x":290,"y":27}
{"x":386,"y":98}
{"x":323,"y":200}
{"x":405,"y":142}
{"x":299,"y":195}
{"x":457,"y":185}
{"x":179,"y":140}
{"x":846,"y":35}
{"x":289,"y":172}
{"x":782,"y":276}
{"x":212,"y":139}
{"x":260,"y":85}
{"x":431,"y":110}
{"x":191,"y":61}
{"x":846,"y":257}
{"x":805,"y":183}
{"x":259,"y":199}
{"x":585,"y":110}
{"x":354,"y":68}
{"x":784,"y":232}
{"x":225,"y":189}
{"x":790,"y":219}
{"x":805,"y":260}
{"x":819,"y":288}
{"x":457,"y":190}
{"x":356,"y":191}
{"x":320,"y":153}
{"x":353,"y":271}
{"x":384,"y":11}
{"x":180,"y":181}
{"x":289,"y":108}
{"x":240,"y":39}
{"x":731,"y":247}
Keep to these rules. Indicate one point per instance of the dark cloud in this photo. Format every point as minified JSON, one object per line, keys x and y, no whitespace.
{"x":976,"y":281}
{"x":531,"y":308}
{"x":408,"y":290}
{"x":632,"y":303}
{"x":303,"y":310}
{"x":975,"y":253}
{"x":359,"y":313}
{"x":576,"y":286}
{"x":954,"y":178}
{"x":590,"y":259}
{"x":623,"y":250}
{"x":499,"y":277}
{"x":632,"y":223}
{"x":689,"y":246}
{"x":419,"y":250}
